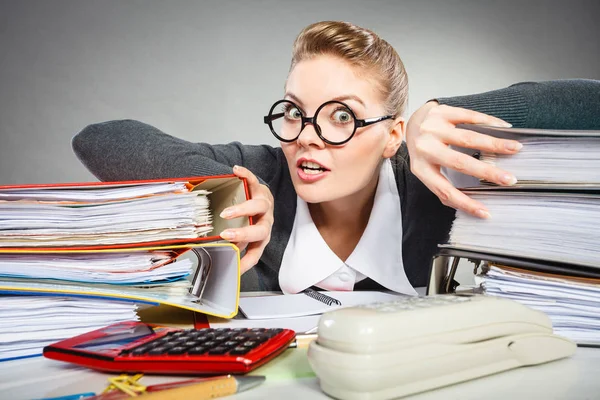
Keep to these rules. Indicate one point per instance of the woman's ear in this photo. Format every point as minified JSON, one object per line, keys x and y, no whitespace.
{"x":396,"y":137}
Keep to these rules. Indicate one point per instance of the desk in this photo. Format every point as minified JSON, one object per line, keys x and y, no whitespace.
{"x":577,"y":377}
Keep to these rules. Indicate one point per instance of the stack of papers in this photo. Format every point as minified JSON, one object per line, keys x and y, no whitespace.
{"x":31,"y":322}
{"x":551,"y":226}
{"x":573,"y":304}
{"x":552,"y":159}
{"x":548,"y":156}
{"x":550,"y":217}
{"x":100,"y":215}
{"x":67,"y":241}
{"x":123,"y":268}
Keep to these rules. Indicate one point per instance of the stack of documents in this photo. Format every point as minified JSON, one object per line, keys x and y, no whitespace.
{"x":552,"y":156}
{"x":548,"y":157}
{"x":77,"y":257}
{"x":550,"y":217}
{"x":552,"y":226}
{"x":573,"y":304}
{"x":99,"y":215}
{"x":31,"y":322}
{"x":122,"y":268}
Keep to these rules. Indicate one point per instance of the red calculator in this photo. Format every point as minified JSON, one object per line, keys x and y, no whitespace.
{"x":138,"y":347}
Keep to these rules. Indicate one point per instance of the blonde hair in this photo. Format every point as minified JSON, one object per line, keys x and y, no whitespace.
{"x":361,"y":48}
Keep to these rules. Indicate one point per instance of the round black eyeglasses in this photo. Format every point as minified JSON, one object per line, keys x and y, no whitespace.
{"x":334,"y":121}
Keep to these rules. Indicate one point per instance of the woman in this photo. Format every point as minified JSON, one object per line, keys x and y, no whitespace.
{"x":346,"y":212}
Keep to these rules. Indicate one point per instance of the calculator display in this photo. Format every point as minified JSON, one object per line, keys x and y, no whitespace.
{"x":116,"y":337}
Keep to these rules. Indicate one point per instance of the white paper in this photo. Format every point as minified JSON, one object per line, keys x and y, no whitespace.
{"x":297,"y":305}
{"x":560,"y":227}
{"x":147,"y":216}
{"x":572,"y":306}
{"x":116,"y":268}
{"x":31,"y":322}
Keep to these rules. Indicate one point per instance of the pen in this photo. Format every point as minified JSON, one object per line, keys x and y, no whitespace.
{"x":302,"y":341}
{"x":209,"y":388}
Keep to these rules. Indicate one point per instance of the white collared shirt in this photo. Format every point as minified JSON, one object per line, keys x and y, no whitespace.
{"x":309,"y":261}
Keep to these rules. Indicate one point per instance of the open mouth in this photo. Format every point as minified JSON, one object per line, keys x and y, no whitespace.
{"x":312,"y":168}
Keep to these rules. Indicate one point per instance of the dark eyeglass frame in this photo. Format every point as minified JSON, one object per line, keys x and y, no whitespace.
{"x":358,"y":123}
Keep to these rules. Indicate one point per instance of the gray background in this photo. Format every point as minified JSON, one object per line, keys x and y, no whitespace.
{"x":209,"y":70}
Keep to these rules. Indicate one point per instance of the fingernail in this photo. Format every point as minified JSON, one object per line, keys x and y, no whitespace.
{"x":235,"y":167}
{"x":505,"y":124}
{"x":513,"y":146}
{"x":228,"y":235}
{"x":481,"y":213}
{"x":508,"y":179}
{"x":226,"y":213}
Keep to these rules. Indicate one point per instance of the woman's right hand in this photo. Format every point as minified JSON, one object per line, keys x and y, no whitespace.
{"x":254,"y":238}
{"x":430,"y":132}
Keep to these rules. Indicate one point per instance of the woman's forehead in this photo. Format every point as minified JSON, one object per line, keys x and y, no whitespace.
{"x":324,"y":78}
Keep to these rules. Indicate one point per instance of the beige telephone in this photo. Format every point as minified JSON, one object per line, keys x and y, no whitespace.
{"x":389,"y":350}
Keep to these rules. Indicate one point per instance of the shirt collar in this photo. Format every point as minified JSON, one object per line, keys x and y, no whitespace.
{"x":308,"y":260}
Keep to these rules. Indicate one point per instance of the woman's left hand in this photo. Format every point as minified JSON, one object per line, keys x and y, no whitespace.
{"x":430,"y":132}
{"x":260,"y":207}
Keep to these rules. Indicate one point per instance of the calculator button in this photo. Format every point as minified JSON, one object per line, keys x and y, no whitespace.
{"x":157,"y":350}
{"x":140,"y":350}
{"x":176,"y":350}
{"x":230,"y":343}
{"x":220,"y":338}
{"x":260,"y":338}
{"x":197,"y":350}
{"x":250,"y":344}
{"x":210,"y":343}
{"x":218,"y":350}
{"x":240,"y":350}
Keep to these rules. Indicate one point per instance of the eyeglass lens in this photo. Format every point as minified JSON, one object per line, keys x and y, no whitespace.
{"x":335,"y":121}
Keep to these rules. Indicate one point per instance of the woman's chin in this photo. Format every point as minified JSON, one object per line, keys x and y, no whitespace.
{"x":316,"y":195}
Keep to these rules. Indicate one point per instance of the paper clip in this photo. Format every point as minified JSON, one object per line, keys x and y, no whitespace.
{"x":126,"y":384}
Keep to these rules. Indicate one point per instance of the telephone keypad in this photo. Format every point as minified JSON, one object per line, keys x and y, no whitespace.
{"x":413,"y":303}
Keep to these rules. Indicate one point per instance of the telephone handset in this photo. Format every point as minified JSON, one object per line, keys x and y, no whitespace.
{"x":414,"y":344}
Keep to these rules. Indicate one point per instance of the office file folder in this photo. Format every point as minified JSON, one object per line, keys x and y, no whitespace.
{"x":87,"y":236}
{"x":42,"y":224}
{"x":220,"y":297}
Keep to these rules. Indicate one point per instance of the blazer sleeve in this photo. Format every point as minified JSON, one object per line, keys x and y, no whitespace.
{"x":425,"y":221}
{"x":132,"y":150}
{"x":558,"y":104}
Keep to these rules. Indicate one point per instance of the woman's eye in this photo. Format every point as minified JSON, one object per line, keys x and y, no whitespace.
{"x":341,"y":117}
{"x":293,"y":113}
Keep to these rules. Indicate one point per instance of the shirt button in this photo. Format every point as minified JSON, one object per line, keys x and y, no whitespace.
{"x":344,"y":277}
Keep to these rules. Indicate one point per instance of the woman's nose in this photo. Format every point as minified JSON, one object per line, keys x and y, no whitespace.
{"x":308,"y":136}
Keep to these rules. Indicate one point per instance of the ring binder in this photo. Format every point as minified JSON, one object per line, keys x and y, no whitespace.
{"x":202,"y":271}
{"x":323,"y":298}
